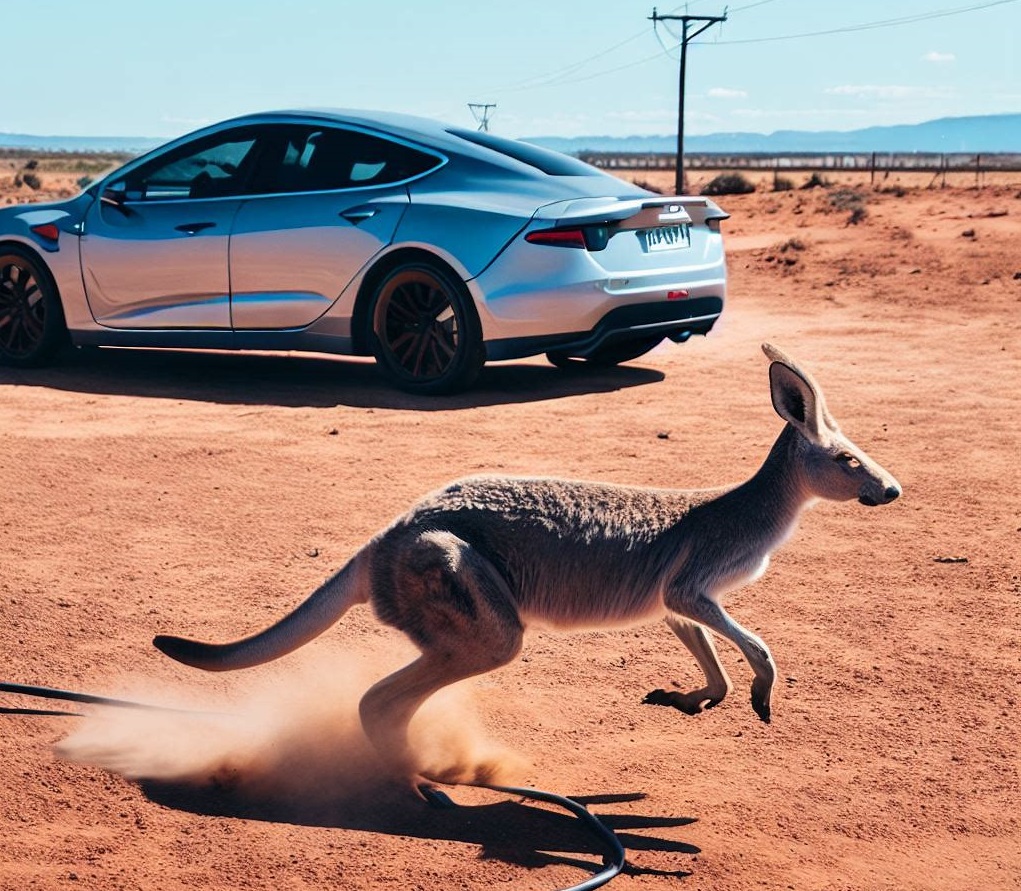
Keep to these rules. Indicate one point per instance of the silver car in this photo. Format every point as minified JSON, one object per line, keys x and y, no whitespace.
{"x":360,"y":233}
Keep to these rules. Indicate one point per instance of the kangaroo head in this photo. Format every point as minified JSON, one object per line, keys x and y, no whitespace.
{"x":831,"y":465}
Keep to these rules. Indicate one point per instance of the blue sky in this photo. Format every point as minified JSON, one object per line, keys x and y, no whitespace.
{"x":555,"y":67}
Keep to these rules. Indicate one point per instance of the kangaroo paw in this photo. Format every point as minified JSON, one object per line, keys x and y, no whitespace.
{"x":683,"y":702}
{"x":760,"y":700}
{"x":434,"y":797}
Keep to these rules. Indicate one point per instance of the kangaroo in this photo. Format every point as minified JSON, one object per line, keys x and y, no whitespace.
{"x":473,"y":565}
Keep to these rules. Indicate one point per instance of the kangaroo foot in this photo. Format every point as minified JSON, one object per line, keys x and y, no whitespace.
{"x":434,"y":797}
{"x":689,"y":703}
{"x":760,"y":699}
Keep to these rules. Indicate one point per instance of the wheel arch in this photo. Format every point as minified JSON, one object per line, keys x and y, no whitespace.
{"x":33,"y":251}
{"x":55,"y":335}
{"x":26,"y":247}
{"x":361,"y":324}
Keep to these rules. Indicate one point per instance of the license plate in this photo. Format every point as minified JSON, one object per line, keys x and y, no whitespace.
{"x":665,"y":238}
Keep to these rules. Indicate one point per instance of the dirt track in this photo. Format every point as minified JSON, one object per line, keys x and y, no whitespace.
{"x":147,"y":492}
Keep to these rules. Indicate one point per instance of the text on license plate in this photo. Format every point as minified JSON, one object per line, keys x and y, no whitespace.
{"x":665,"y":238}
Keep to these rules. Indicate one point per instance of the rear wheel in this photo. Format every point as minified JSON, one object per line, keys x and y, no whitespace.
{"x":32,"y":327}
{"x":427,"y":335}
{"x":609,"y":355}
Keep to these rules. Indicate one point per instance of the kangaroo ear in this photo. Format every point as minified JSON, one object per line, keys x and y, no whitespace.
{"x":795,"y":398}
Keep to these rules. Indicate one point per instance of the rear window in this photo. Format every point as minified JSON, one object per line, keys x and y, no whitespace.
{"x":553,"y":163}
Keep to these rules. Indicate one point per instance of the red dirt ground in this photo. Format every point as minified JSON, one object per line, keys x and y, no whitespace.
{"x":150,"y":492}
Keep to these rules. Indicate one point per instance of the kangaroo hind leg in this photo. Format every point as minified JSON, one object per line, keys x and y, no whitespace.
{"x":699,"y":641}
{"x":457,"y":609}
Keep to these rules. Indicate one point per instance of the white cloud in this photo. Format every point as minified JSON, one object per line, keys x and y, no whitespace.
{"x":939,"y":58}
{"x":654,"y":116}
{"x":887,"y":91}
{"x":727,"y":93}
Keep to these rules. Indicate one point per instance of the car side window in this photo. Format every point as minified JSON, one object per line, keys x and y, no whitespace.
{"x":328,"y":158}
{"x":209,"y":168}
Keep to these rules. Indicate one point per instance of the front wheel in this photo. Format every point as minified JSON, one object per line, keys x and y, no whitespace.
{"x":32,"y":327}
{"x":426,"y":332}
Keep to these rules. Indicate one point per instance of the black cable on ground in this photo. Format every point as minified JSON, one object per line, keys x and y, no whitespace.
{"x":87,"y":698}
{"x":614,"y":861}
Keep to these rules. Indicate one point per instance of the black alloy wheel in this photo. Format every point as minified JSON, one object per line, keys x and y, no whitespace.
{"x":427,"y":334}
{"x":32,"y":326}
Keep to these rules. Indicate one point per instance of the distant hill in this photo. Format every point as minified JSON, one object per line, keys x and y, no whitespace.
{"x":132,"y":145}
{"x":985,"y":133}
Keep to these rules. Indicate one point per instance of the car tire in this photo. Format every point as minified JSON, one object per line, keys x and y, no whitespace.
{"x":427,"y":337}
{"x":32,"y":326}
{"x":609,"y":355}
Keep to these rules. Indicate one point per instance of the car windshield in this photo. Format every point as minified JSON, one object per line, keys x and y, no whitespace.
{"x":550,"y":162}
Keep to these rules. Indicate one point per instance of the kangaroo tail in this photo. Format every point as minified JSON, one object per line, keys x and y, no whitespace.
{"x":321,"y":609}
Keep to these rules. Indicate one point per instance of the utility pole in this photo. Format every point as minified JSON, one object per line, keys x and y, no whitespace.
{"x":480,"y":111}
{"x":688,"y":34}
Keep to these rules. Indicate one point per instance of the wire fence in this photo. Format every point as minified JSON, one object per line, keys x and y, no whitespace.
{"x":939,"y":164}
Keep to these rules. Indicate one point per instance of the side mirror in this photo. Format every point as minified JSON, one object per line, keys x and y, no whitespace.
{"x":114,"y":194}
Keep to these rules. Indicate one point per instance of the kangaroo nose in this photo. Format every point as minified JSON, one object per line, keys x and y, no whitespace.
{"x":891,"y":493}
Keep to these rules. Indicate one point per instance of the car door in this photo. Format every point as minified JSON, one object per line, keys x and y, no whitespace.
{"x":330,"y":200}
{"x":154,"y":246}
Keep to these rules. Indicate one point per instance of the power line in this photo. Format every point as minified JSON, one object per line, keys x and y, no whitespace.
{"x":558,"y":78}
{"x":870,"y":26}
{"x":553,"y":76}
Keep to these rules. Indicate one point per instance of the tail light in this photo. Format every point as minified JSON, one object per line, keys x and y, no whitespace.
{"x":589,"y":238}
{"x":46,"y":230}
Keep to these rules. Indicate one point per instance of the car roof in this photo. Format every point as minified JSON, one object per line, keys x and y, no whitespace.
{"x":405,"y":126}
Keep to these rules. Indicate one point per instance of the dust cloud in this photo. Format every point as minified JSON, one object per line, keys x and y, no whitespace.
{"x":293,"y":742}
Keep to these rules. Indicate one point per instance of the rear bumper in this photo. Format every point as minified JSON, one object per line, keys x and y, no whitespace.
{"x":675,"y":319}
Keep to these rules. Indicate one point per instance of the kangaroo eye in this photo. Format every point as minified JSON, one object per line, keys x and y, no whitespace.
{"x":848,"y":460}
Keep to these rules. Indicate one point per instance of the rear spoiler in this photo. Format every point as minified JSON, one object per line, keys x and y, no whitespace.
{"x":631,"y":213}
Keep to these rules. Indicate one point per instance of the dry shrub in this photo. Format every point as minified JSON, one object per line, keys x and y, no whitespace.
{"x":729,"y":184}
{"x":649,"y":187}
{"x":816,"y":181}
{"x":850,"y":200}
{"x":791,"y":244}
{"x":782,"y":184}
{"x":856,"y":216}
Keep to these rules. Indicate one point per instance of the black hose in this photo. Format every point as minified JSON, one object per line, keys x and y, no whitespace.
{"x":614,"y":863}
{"x":86,"y":698}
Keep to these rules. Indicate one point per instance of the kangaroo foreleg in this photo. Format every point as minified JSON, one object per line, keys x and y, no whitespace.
{"x":699,"y":641}
{"x":706,"y":611}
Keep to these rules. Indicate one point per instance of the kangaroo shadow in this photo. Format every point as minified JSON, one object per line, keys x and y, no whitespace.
{"x":305,"y":380}
{"x":513,"y":832}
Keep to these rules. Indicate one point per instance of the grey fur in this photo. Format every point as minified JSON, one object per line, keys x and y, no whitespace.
{"x":471,"y":566}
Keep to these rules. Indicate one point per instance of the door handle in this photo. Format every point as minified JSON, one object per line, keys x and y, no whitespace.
{"x":193,"y":228}
{"x":359,"y":214}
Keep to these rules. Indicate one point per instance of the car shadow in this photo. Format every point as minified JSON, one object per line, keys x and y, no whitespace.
{"x":512,"y":831}
{"x":300,"y":381}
